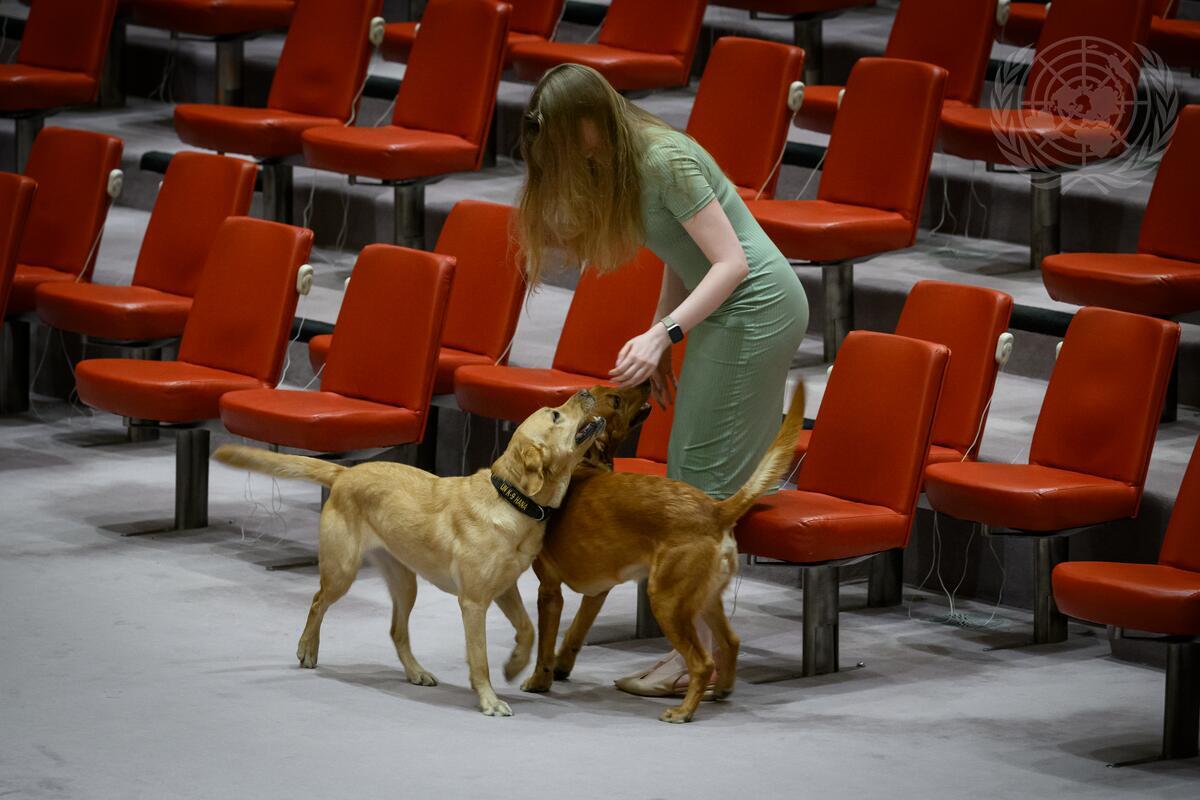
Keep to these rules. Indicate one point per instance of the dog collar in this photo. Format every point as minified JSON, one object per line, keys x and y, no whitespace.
{"x":519,"y":500}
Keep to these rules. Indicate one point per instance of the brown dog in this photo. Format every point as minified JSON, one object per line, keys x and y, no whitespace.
{"x":615,"y":527}
{"x":471,"y":536}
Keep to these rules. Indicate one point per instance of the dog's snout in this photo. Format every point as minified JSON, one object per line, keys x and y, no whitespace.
{"x":587,"y":399}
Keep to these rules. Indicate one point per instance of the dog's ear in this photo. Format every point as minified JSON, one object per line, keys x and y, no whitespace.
{"x":533,"y":467}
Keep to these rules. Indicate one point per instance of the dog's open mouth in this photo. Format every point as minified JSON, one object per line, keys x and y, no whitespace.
{"x":589,"y":429}
{"x":640,"y":416}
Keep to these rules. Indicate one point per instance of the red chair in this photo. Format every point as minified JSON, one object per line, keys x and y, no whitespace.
{"x":1177,"y":41}
{"x":1035,"y":137}
{"x":606,"y":311}
{"x":229,"y":23}
{"x":857,"y":493}
{"x":1161,"y":599}
{"x":484,"y":305}
{"x":377,"y":384}
{"x":641,"y":46}
{"x":443,"y":112}
{"x":953,"y":34}
{"x":741,"y":111}
{"x":1025,"y":21}
{"x":872,"y":187}
{"x":58,"y":64}
{"x":808,"y":16}
{"x":16,"y":199}
{"x":1090,"y":451}
{"x":316,"y":84}
{"x":235,"y":338}
{"x":532,"y":21}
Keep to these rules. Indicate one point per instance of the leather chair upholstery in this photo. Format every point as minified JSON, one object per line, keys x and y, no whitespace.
{"x":794,"y":7}
{"x":1025,"y":21}
{"x":531,"y":21}
{"x":641,"y":46}
{"x":1163,"y":277}
{"x":16,"y":200}
{"x":198,"y":192}
{"x":740,"y":114}
{"x":215,"y":17}
{"x":377,"y":384}
{"x":71,"y":168}
{"x":606,"y":311}
{"x":60,"y":57}
{"x":1177,"y":41}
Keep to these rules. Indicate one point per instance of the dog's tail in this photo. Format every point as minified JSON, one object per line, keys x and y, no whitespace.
{"x":773,"y":466}
{"x":299,"y":468}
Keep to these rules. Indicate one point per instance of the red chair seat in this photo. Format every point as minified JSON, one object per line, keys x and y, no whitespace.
{"x":26,"y":88}
{"x":641,"y":466}
{"x":120,"y":313}
{"x":320,"y":421}
{"x":388,"y":152}
{"x":318,"y":350}
{"x":262,"y":132}
{"x":626,"y":70}
{"x":810,"y":528}
{"x":514,"y":393}
{"x":818,"y":230}
{"x":1027,"y":496}
{"x":214,"y":17}
{"x":1176,"y":40}
{"x":398,"y":39}
{"x":1155,"y":598}
{"x":937,"y":453}
{"x":26,"y":280}
{"x":971,"y":133}
{"x":1025,"y":21}
{"x":819,"y":108}
{"x":449,"y":360}
{"x":1139,"y":283}
{"x":167,"y":391}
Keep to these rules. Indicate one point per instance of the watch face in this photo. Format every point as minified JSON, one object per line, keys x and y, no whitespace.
{"x":676,"y":333}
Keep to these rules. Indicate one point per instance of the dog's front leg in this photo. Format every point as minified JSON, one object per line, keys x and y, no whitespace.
{"x":510,"y":603}
{"x":573,"y":641}
{"x":474,"y":614}
{"x":550,"y":603}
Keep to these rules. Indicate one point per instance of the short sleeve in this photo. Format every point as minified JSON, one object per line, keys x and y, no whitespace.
{"x":685,"y":187}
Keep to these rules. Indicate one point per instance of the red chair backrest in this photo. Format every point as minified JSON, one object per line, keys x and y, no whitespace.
{"x":70,"y":35}
{"x":385,"y":344}
{"x":198,"y":192}
{"x":953,"y":34}
{"x":244,"y":305}
{"x":539,"y":17}
{"x":1169,"y":228}
{"x":485,"y":298}
{"x":1105,"y":396}
{"x":888,"y":172}
{"x":655,"y":437}
{"x":667,"y":27}
{"x":71,"y":169}
{"x":1181,"y":544}
{"x":968,"y":320}
{"x":740,"y":115}
{"x":607,"y":311}
{"x":16,"y":199}
{"x":876,"y":420}
{"x":324,"y":57}
{"x":454,"y":69}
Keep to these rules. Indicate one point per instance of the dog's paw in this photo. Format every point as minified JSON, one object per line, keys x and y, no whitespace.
{"x":419,"y":677}
{"x":537,"y":682}
{"x":307,"y":657}
{"x":722,"y":692}
{"x":515,"y":666}
{"x":495,"y":708}
{"x":562,"y":673}
{"x":676,"y":715}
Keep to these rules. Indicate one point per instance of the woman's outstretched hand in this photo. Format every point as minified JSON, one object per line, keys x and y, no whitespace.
{"x":641,"y":356}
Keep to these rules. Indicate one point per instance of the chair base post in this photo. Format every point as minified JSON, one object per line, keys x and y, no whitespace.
{"x":1181,"y":717}
{"x":191,"y":478}
{"x":14,"y":367}
{"x":139,"y":430}
{"x":885,"y":580}
{"x":277,"y":191}
{"x":1049,"y":624}
{"x":1170,"y":411}
{"x":809,"y":36}
{"x":409,"y":215}
{"x":112,"y":89}
{"x":427,"y":449}
{"x":820,"y":655}
{"x":25,"y":130}
{"x":647,"y":625}
{"x":837,"y":281}
{"x":231,"y":56}
{"x":1045,"y":196}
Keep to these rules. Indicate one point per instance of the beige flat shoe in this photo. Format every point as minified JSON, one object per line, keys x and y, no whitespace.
{"x":669,"y":685}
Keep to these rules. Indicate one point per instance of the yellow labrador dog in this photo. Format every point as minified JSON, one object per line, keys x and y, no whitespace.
{"x":471,"y":536}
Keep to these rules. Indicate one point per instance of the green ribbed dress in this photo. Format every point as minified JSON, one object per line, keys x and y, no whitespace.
{"x":730,"y":396}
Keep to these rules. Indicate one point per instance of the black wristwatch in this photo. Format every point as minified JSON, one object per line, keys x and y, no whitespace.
{"x":673,"y":330}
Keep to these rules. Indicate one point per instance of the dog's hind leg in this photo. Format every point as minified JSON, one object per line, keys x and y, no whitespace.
{"x":402,"y":584}
{"x":726,"y":643}
{"x":673,"y":590}
{"x":589,"y":608}
{"x":474,"y":614}
{"x":510,"y":603}
{"x":340,"y":554}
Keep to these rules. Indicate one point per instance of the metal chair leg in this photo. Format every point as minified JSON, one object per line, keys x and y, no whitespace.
{"x":1181,"y":718}
{"x":25,"y":131}
{"x":810,"y":37}
{"x":1170,"y":411}
{"x":885,"y":580}
{"x":1049,"y":624}
{"x":231,"y":56}
{"x":112,"y":89}
{"x":1045,"y":196}
{"x":191,"y":478}
{"x":820,"y":655}
{"x":427,"y":449}
{"x":14,"y":367}
{"x":409,"y":215}
{"x":838,"y":284}
{"x":647,"y":625}
{"x":277,"y":192}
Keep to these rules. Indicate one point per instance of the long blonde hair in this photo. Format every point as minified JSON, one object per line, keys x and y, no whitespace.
{"x":588,"y":208}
